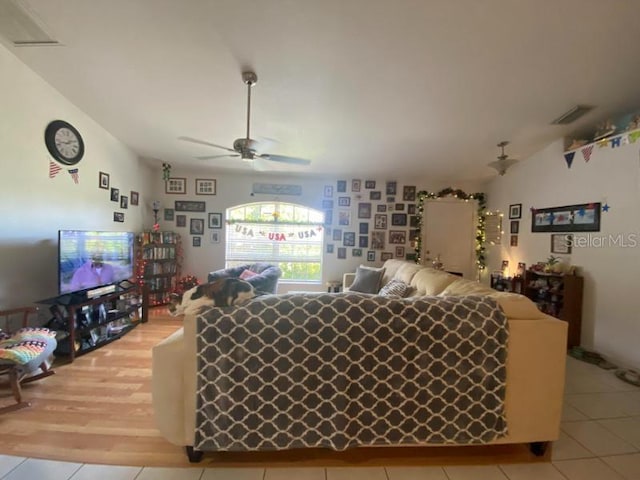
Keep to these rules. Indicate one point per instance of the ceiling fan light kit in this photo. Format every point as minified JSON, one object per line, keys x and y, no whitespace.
{"x":247,"y":148}
{"x":504,"y":162}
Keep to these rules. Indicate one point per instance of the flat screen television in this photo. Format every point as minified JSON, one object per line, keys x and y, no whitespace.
{"x":91,"y":259}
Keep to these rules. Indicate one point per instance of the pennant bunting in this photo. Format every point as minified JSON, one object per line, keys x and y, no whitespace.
{"x":603,"y":143}
{"x":74,"y":174}
{"x":54,"y":169}
{"x":615,"y":142}
{"x":586,"y":152}
{"x":633,"y":136}
{"x":569,"y":158}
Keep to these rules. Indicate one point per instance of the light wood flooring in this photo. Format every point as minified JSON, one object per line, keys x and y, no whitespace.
{"x":98,"y":410}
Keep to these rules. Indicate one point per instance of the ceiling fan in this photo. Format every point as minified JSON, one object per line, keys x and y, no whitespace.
{"x":504,"y":162}
{"x":246,"y":148}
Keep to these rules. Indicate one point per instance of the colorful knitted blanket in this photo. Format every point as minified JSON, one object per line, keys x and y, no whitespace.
{"x":25,"y":345}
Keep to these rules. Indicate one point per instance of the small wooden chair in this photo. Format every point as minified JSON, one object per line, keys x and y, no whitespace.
{"x":18,"y":373}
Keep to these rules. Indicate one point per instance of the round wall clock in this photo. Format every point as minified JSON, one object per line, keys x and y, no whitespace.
{"x":64,"y":142}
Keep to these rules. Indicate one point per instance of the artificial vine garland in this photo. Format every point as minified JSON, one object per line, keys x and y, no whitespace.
{"x":480,"y":228}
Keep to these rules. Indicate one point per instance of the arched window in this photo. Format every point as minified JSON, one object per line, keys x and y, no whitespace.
{"x":284,"y":234}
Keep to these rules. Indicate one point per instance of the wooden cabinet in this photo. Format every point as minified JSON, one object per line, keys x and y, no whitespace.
{"x":84,"y":324}
{"x":559,"y":296}
{"x":159,"y":262}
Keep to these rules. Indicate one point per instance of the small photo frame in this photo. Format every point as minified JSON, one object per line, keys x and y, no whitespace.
{"x":115,"y":194}
{"x":215,"y":220}
{"x":205,"y":186}
{"x":398,"y":219}
{"x":215,"y":237}
{"x":381,"y":208}
{"x":356,"y":252}
{"x":103,"y":180}
{"x":181,"y":220}
{"x":363,"y":241}
{"x":522,"y":267}
{"x":328,"y":217}
{"x":364,"y":228}
{"x":124,"y":202}
{"x":397,"y":237}
{"x":399,"y":207}
{"x":380,"y":221}
{"x":399,"y":251}
{"x":326,"y":204}
{"x":561,"y":243}
{"x":342,"y":253}
{"x":196,"y":226}
{"x":344,"y":217}
{"x":337,"y":235}
{"x":328,"y":191}
{"x":330,"y":247}
{"x":371,"y":256}
{"x":411,"y":209}
{"x":135,"y":198}
{"x":118,"y":217}
{"x":370,"y":184}
{"x":349,"y":239}
{"x":176,"y":185}
{"x":355,"y":185}
{"x":384,"y":256}
{"x":391,"y":188}
{"x":197,"y":241}
{"x":515,"y":210}
{"x":375,"y":195}
{"x":514,"y":241}
{"x":344,"y":201}
{"x":409,"y":194}
{"x":514,"y":227}
{"x":341,"y":186}
{"x":168,"y":214}
{"x":364,"y":210}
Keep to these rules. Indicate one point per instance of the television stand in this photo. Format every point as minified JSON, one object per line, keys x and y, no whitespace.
{"x":88,"y":320}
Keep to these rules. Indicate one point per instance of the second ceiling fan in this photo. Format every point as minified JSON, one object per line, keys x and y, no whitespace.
{"x":246,"y":148}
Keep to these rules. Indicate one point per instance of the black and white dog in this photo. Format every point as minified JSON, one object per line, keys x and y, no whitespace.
{"x":220,"y":293}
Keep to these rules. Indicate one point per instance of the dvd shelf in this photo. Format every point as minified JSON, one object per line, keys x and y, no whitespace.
{"x":159,"y":262}
{"x":84,"y":322}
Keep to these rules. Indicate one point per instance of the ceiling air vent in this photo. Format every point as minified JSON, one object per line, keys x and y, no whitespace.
{"x":19,"y":27}
{"x":572,"y":115}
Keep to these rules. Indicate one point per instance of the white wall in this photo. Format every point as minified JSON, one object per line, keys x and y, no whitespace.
{"x":611,"y":319}
{"x":235,"y":189}
{"x":34,"y":207}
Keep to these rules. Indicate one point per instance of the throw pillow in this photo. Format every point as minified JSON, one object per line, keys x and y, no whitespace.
{"x":246,"y":274}
{"x":367,"y":280}
{"x":395,"y":288}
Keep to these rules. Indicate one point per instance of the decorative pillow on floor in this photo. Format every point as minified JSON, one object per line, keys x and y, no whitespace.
{"x":367,"y":280}
{"x":395,"y":288}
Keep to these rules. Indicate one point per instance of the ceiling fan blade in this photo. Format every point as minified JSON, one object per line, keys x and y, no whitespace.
{"x":285,"y":159}
{"x":211,"y":157}
{"x":202,"y":142}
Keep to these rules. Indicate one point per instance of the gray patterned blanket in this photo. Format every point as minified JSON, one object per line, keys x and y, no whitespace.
{"x":345,"y":370}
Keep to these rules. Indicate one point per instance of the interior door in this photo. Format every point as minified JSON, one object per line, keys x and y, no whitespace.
{"x":448,"y":230}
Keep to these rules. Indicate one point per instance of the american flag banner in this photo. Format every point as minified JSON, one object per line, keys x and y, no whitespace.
{"x":74,"y":174}
{"x":586,"y":152}
{"x":54,"y":169}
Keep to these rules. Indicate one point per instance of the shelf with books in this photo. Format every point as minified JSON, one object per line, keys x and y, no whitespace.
{"x":159,"y":261}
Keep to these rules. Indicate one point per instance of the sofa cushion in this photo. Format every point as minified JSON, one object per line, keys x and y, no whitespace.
{"x":429,"y":281}
{"x":246,"y":274}
{"x":367,"y":280}
{"x":463,"y":286}
{"x":395,"y":288}
{"x":517,"y":307}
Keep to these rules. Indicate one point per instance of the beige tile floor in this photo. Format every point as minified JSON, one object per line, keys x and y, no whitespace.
{"x":600,"y":440}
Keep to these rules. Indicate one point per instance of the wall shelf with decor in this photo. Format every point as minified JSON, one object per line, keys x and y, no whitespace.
{"x":159,"y":263}
{"x":560,"y":296}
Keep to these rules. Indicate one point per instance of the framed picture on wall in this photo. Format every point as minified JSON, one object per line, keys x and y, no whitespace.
{"x":181,"y":220}
{"x":103,"y":180}
{"x":215,"y":220}
{"x":561,"y":243}
{"x":176,"y":185}
{"x":196,"y":226}
{"x":515,"y":210}
{"x":135,"y":198}
{"x":205,"y":186}
{"x":583,"y":217}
